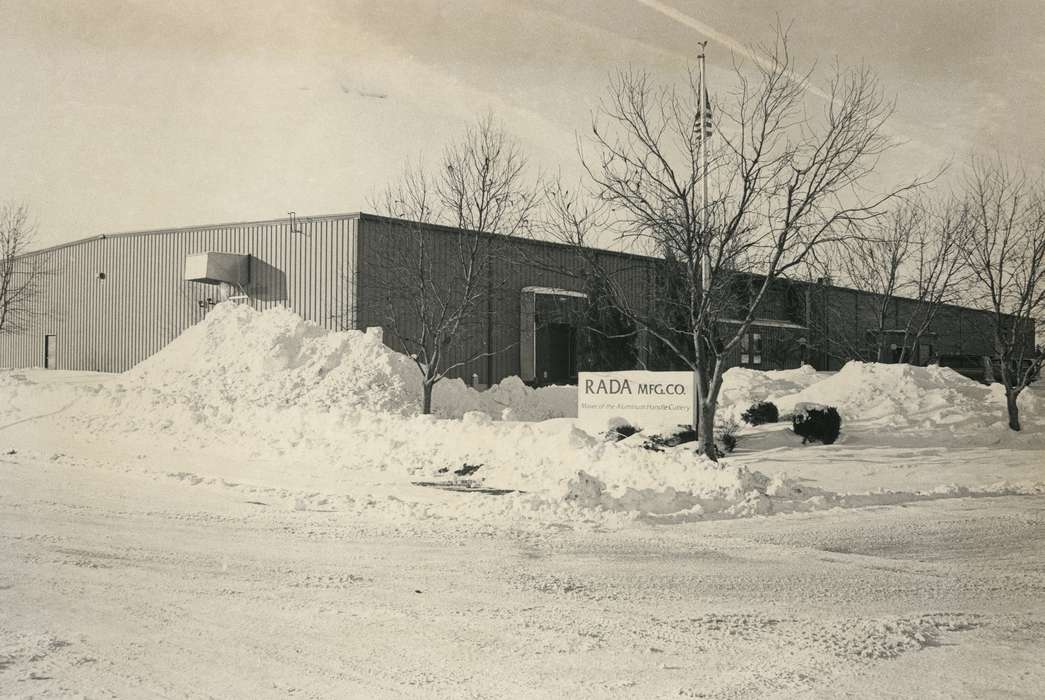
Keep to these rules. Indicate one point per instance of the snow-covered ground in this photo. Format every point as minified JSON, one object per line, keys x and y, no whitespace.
{"x":238,"y":516}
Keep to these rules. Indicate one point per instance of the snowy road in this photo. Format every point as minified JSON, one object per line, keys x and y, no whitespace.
{"x":120,"y":583}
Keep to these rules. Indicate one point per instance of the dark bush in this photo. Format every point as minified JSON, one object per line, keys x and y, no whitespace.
{"x":729,"y":442}
{"x":816,"y":423}
{"x":761,"y":412}
{"x":620,"y":431}
{"x":726,"y":435}
{"x":467,"y":469}
{"x":682,"y":434}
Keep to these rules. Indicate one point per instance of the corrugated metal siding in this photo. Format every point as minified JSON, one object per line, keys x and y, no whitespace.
{"x":143,"y":303}
{"x":844,"y":322}
{"x":384,"y":274}
{"x":324,"y":273}
{"x":530,"y":265}
{"x":781,"y":348}
{"x":557,"y":267}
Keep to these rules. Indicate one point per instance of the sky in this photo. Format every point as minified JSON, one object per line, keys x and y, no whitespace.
{"x":122,"y":116}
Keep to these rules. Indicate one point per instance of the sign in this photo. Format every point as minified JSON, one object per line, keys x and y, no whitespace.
{"x":643,"y":399}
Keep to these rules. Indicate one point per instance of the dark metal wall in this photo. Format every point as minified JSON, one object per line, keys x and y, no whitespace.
{"x":842,"y":324}
{"x":512,"y":265}
{"x":327,"y":269}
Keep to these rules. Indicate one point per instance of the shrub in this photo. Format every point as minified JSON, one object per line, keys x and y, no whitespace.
{"x":619,"y":431}
{"x":816,"y":423}
{"x":726,"y":435}
{"x":725,"y":438}
{"x":467,"y":469}
{"x":761,"y":412}
{"x":681,"y":434}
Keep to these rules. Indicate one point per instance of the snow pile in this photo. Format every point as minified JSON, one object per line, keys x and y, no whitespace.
{"x":331,"y":419}
{"x":742,"y":387}
{"x":367,"y":461}
{"x":558,"y":461}
{"x":275,"y":359}
{"x":511,"y":399}
{"x":902,"y":398}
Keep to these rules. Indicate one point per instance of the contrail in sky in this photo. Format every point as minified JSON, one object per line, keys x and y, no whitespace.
{"x":729,"y":42}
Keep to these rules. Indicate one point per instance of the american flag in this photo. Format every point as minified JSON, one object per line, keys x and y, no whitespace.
{"x":706,"y":132}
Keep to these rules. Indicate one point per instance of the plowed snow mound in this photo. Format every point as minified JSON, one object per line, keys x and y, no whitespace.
{"x":276,"y":359}
{"x":742,"y":387}
{"x":269,"y":399}
{"x":902,"y":398}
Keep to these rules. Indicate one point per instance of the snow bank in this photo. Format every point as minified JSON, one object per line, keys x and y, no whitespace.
{"x":873,"y":391}
{"x":243,"y":389}
{"x":275,"y":359}
{"x":342,"y":459}
{"x":265,"y":398}
{"x":932,"y":402}
{"x":742,"y":387}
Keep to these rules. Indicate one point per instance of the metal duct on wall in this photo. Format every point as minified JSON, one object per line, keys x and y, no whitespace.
{"x":217,"y":268}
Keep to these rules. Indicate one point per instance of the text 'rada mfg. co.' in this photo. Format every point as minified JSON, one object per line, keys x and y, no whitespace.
{"x":640,"y":397}
{"x":625,"y":386}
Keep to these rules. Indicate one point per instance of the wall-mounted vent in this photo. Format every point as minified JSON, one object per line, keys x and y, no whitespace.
{"x":218,"y":268}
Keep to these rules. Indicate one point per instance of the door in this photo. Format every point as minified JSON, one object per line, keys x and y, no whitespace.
{"x":563,"y":359}
{"x":50,"y":351}
{"x":556,"y":353}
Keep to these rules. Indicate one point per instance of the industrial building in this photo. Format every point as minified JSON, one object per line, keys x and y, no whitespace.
{"x":110,"y":301}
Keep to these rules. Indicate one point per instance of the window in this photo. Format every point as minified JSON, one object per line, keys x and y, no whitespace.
{"x":751,"y":349}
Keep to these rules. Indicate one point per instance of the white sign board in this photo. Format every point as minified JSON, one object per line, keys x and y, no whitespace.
{"x":644,"y":399}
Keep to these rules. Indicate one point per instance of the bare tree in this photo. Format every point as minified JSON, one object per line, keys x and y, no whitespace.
{"x":20,"y":275}
{"x":873,"y":263}
{"x":436,"y":276}
{"x":937,"y":273}
{"x":914,"y":252}
{"x":781,"y":183}
{"x":1005,"y":253}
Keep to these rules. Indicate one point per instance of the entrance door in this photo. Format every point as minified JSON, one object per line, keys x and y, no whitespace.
{"x":556,"y":353}
{"x":50,"y":352}
{"x":562,"y":367}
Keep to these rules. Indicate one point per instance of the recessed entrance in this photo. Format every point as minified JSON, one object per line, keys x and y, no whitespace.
{"x":548,"y":335}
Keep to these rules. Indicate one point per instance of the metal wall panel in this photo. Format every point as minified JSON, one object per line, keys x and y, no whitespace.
{"x":384,"y":275}
{"x":324,"y":271}
{"x":515,"y":263}
{"x":844,"y":323}
{"x":543,"y":264}
{"x":142,"y":304}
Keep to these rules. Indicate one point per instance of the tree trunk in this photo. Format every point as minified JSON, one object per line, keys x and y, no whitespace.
{"x":426,"y":396}
{"x":881,"y":352}
{"x":988,"y":370}
{"x":706,"y":432}
{"x":708,"y":408}
{"x":1014,"y":409}
{"x":700,"y":389}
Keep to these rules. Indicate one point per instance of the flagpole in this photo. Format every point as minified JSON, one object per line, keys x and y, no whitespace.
{"x":705,"y":251}
{"x":705,"y":248}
